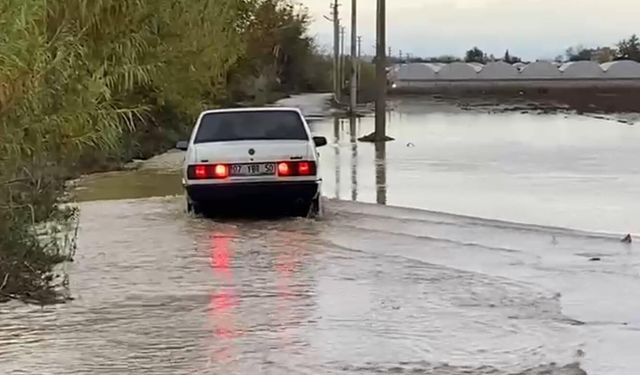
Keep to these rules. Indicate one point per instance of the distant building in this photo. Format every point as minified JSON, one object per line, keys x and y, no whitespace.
{"x":542,"y":75}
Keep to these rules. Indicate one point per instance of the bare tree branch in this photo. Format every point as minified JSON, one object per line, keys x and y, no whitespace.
{"x":4,"y":282}
{"x":14,"y":181}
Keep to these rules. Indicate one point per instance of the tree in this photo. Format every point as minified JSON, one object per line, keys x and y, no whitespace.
{"x":511,"y":59}
{"x":446,"y":59}
{"x":97,"y":82}
{"x":79,"y":79}
{"x":629,"y":49}
{"x":604,"y":54}
{"x":579,"y":53}
{"x":279,"y":55}
{"x":475,"y":55}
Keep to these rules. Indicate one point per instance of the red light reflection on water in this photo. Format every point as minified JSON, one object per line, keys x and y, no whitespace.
{"x":290,"y":250}
{"x":288,"y":261}
{"x":223,"y":301}
{"x":220,"y":255}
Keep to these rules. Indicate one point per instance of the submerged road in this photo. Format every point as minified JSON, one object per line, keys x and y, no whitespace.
{"x":367,"y":289}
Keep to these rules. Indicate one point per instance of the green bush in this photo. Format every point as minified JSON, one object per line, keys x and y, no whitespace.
{"x":88,"y":84}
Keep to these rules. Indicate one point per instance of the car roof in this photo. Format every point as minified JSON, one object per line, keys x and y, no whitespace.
{"x":252,"y":109}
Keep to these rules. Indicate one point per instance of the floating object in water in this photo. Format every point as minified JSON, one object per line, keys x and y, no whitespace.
{"x":627,"y":239}
{"x":410,"y":145}
{"x":595,"y":259}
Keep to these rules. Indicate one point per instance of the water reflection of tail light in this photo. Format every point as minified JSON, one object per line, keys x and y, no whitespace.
{"x":289,"y":260}
{"x":221,"y":314}
{"x":224,"y":300}
{"x":220,"y":253}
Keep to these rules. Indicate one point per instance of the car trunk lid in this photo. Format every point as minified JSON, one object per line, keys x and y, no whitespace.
{"x":253,"y":151}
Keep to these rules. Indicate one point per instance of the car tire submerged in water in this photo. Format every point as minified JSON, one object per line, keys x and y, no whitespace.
{"x":194,"y":208}
{"x":311,"y":210}
{"x":316,"y":210}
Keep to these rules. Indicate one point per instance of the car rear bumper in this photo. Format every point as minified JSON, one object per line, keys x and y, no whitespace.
{"x":265,"y":192}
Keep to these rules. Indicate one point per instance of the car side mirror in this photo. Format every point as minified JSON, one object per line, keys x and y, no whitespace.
{"x":182,"y":145}
{"x":320,"y":141}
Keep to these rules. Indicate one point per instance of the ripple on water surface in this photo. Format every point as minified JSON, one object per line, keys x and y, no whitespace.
{"x":159,"y":292}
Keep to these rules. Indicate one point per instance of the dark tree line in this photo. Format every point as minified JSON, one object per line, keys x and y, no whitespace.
{"x":626,"y":49}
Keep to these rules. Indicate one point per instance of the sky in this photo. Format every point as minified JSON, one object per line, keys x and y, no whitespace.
{"x":531,"y":29}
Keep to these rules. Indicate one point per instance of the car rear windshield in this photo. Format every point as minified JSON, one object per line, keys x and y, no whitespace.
{"x":251,"y":125}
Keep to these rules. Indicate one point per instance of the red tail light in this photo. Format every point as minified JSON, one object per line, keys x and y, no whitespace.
{"x":304,"y":168}
{"x":300,"y":168}
{"x":200,"y":171}
{"x":207,"y":171}
{"x":284,"y":169}
{"x":221,"y":171}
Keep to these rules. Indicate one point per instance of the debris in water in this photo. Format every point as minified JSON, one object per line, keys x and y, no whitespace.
{"x":595,"y":259}
{"x":410,"y":145}
{"x":627,"y":239}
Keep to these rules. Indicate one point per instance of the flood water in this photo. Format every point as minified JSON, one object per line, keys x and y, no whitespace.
{"x":369,"y":288}
{"x":560,"y":170}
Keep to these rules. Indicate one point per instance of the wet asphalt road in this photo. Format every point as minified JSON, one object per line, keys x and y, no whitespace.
{"x":362,"y":291}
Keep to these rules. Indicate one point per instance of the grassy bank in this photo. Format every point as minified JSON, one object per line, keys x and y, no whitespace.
{"x":88,"y":85}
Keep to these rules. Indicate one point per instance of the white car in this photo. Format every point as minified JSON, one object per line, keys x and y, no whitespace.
{"x":252,"y":156}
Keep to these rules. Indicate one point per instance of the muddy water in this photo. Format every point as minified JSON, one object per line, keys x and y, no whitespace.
{"x":128,"y":185}
{"x":556,"y":170}
{"x":368,"y":289}
{"x":561,"y":170}
{"x":160,"y":292}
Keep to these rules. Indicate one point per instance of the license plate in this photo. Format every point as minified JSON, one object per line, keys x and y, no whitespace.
{"x":258,"y":169}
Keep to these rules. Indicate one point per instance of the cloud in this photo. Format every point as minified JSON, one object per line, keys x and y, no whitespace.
{"x":528,"y":27}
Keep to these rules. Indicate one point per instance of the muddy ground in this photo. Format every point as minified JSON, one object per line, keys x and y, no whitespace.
{"x":620,"y":104}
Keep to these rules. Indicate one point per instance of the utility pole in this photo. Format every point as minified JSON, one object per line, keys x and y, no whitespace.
{"x":381,"y":173}
{"x":381,"y":73}
{"x":336,"y":135}
{"x":343,"y":31}
{"x":354,"y":57}
{"x":380,"y":133}
{"x":359,"y":60}
{"x":336,"y":50}
{"x":354,"y":157}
